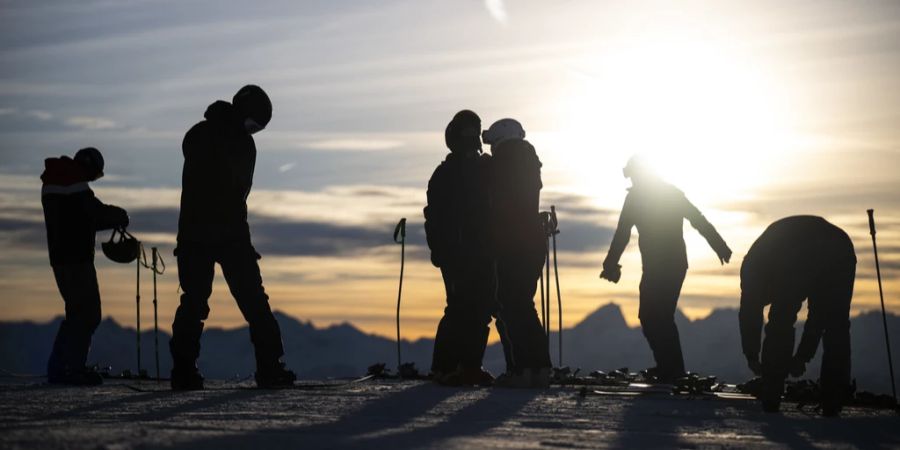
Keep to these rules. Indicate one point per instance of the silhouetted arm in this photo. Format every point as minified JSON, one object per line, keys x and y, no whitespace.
{"x":622,"y":234}
{"x":435,"y":216}
{"x":699,"y":222}
{"x":812,"y":334}
{"x":107,"y":216}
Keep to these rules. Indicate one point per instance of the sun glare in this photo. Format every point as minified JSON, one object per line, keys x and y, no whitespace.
{"x":709,"y":116}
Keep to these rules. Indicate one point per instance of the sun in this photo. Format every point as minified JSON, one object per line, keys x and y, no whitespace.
{"x":709,"y":116}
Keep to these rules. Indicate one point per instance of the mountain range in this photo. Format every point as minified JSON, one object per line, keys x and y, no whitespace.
{"x":602,"y":340}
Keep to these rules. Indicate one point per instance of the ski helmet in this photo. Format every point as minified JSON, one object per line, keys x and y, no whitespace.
{"x":124,"y":250}
{"x":92,"y":160}
{"x":502,"y":130}
{"x":462,"y":133}
{"x":254,"y":104}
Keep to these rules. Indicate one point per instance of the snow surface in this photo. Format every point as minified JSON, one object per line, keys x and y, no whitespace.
{"x":383,"y":414}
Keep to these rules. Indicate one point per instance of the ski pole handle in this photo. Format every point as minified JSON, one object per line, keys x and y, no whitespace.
{"x":871,"y":213}
{"x":400,"y":230}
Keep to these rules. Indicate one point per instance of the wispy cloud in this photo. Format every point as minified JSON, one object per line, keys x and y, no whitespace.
{"x":497,"y":10}
{"x":91,"y":123}
{"x":354,"y":144}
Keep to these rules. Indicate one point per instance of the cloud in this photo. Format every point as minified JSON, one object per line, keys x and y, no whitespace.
{"x":286,"y":167}
{"x":354,"y":144}
{"x":497,"y":10}
{"x":90,"y":123}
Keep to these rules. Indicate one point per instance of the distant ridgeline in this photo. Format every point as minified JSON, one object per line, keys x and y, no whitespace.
{"x":601,"y":341}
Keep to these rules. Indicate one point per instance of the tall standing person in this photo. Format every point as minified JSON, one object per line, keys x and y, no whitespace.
{"x":657,"y":209}
{"x":219,"y":160}
{"x":456,"y":228}
{"x":73,"y":215}
{"x":520,"y":247}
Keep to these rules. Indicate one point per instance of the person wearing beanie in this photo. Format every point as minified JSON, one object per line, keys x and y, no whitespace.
{"x":73,"y":215}
{"x":456,"y":230}
{"x":219,"y":161}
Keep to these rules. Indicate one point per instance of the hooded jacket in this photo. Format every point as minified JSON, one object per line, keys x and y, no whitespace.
{"x":658,"y":209}
{"x":458,"y":209}
{"x":793,"y":257}
{"x":219,"y":160}
{"x":72,"y":213}
{"x":516,"y":191}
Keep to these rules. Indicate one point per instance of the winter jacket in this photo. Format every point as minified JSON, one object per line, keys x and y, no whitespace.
{"x":457,"y":214}
{"x":72,"y":214}
{"x":219,"y":159}
{"x":658,"y":210}
{"x":793,"y":258}
{"x":516,"y":191}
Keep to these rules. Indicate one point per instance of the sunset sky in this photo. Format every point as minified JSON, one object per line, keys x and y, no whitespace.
{"x":757,"y":110}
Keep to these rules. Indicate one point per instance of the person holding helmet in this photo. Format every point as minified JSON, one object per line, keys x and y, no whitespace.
{"x":799,"y":258}
{"x":658,"y":209}
{"x":73,"y":215}
{"x":455,"y":227}
{"x":520,"y":247}
{"x":219,"y":160}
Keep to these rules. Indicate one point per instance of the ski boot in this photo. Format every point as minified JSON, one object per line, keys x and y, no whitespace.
{"x":274,"y":376}
{"x":83,"y":376}
{"x":528,"y":378}
{"x":186,"y":378}
{"x":770,"y":394}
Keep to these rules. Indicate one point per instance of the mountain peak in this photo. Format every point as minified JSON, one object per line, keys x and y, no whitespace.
{"x":608,"y":316}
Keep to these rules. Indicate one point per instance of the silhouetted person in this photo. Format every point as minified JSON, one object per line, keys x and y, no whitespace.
{"x":73,"y":215}
{"x":520,"y":247}
{"x":798,"y":258}
{"x":658,"y":209}
{"x":456,"y":221}
{"x":219,"y":159}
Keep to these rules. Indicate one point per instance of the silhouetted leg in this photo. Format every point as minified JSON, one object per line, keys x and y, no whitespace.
{"x":77,"y":284}
{"x":196,"y":269}
{"x":836,"y":297}
{"x":445,"y":357}
{"x":463,"y":331}
{"x":778,"y":346}
{"x":659,"y":293}
{"x":516,"y":286}
{"x":241,"y":271}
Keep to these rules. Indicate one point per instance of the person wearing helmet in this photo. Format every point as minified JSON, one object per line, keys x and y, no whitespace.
{"x":799,"y":258}
{"x":520,"y":249}
{"x":455,"y":228}
{"x":219,"y":160}
{"x":72,"y":216}
{"x":658,"y":209}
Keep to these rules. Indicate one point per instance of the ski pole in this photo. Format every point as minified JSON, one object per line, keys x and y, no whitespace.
{"x":559,"y":311}
{"x":400,"y":231}
{"x":887,"y":341}
{"x":157,"y":261}
{"x":137,"y":298}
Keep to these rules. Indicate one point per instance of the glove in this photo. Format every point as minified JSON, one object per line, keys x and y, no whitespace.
{"x":754,"y":366}
{"x":613,"y":273}
{"x":798,"y":367}
{"x":724,"y":254}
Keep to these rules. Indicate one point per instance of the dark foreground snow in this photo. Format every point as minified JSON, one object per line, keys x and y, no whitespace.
{"x":388,"y":414}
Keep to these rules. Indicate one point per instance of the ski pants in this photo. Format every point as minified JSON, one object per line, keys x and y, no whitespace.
{"x":462,"y":333}
{"x":196,"y":268}
{"x":659,"y":291}
{"x":831,"y":296}
{"x":524,"y":340}
{"x":77,"y":284}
